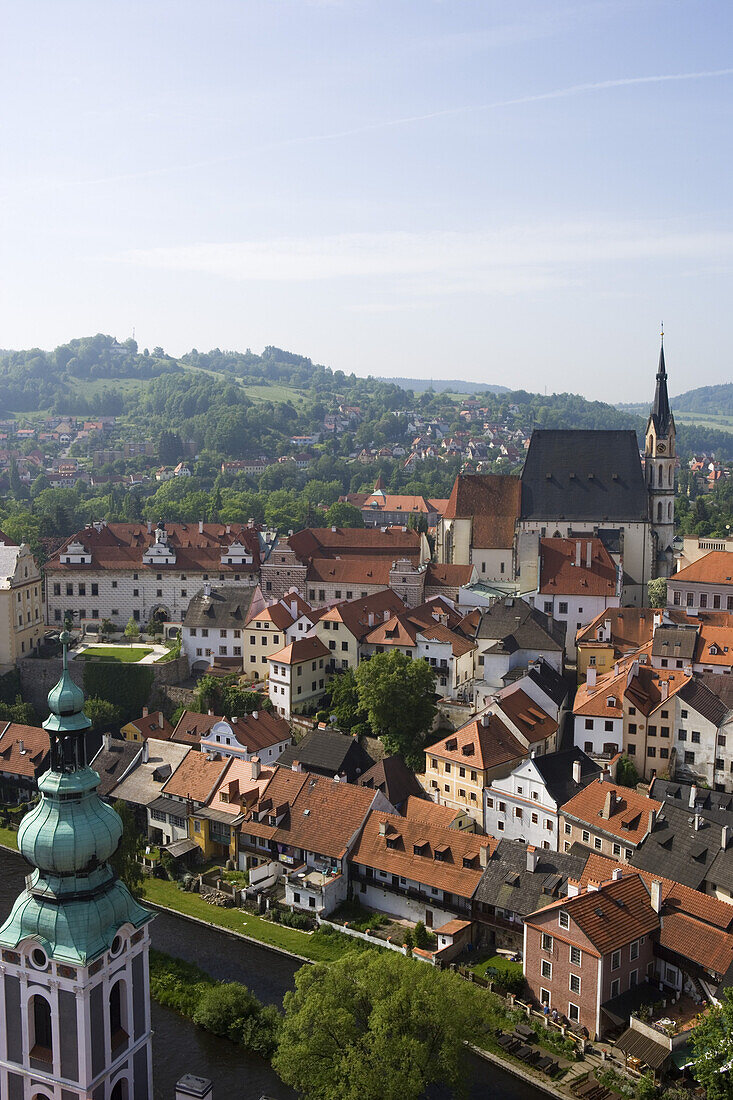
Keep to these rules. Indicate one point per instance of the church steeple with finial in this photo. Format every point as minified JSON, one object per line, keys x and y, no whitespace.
{"x":74,"y":976}
{"x":659,"y":464}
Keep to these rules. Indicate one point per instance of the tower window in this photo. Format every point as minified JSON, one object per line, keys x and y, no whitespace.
{"x":117,"y":1020}
{"x":42,"y":1035}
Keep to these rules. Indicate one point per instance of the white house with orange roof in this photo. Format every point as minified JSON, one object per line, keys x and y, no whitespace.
{"x":297,"y":675}
{"x":704,"y":585}
{"x":264,"y":633}
{"x":259,"y":735}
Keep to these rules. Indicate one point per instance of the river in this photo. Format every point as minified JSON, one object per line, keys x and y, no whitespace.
{"x":179,"y":1047}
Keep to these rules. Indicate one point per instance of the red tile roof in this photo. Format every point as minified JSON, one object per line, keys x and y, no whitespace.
{"x":611,"y":917}
{"x":302,"y":649}
{"x":429,"y":813}
{"x":372,"y":542}
{"x":25,"y":761}
{"x":483,"y":743}
{"x":560,"y":575}
{"x":716,"y":567}
{"x":361,"y":616}
{"x":493,"y":502}
{"x":153,"y":725}
{"x":197,"y":776}
{"x":352,"y":570}
{"x":528,"y":717}
{"x":431,"y":854}
{"x":628,"y":814}
{"x":447,"y":576}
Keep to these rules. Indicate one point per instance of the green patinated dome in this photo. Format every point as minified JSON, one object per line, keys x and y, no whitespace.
{"x":78,"y":929}
{"x":66,"y":700}
{"x":70,"y":829}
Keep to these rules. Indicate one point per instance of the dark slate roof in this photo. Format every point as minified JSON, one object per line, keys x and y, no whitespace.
{"x":112,"y":763}
{"x":584,"y":475}
{"x":328,"y":752}
{"x":721,"y":871}
{"x":508,"y":884}
{"x":556,"y":768}
{"x":676,"y":850}
{"x":714,"y":805}
{"x":675,"y":641}
{"x":710,"y":694}
{"x":661,"y":414}
{"x":223,"y":607}
{"x":394,"y":779}
{"x":550,"y":681}
{"x":519,"y":626}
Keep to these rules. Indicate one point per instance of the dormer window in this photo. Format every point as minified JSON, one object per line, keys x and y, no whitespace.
{"x":564,"y":919}
{"x":611,"y":701}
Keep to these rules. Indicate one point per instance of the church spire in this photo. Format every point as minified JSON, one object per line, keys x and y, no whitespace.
{"x":661,"y":413}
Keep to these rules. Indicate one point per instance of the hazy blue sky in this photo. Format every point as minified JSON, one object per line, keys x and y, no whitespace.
{"x":515,"y":191}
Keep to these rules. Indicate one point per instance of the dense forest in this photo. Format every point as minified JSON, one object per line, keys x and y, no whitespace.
{"x":717,"y":400}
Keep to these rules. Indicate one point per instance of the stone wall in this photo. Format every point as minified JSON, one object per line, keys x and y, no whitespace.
{"x":38,"y":675}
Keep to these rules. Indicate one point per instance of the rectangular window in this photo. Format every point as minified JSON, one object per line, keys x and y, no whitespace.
{"x":597,"y":843}
{"x":573,"y":1012}
{"x":634,"y":951}
{"x":615,"y":988}
{"x":568,"y":828}
{"x":546,"y":969}
{"x":574,"y":983}
{"x":546,"y":941}
{"x":575,"y":956}
{"x":586,"y":836}
{"x":564,"y":919}
{"x":615,"y":960}
{"x":589,"y":723}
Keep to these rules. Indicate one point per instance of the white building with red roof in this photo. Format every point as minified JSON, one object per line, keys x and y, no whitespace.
{"x":297,"y":675}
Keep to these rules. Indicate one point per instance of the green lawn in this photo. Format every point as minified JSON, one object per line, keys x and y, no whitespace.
{"x":126,"y":655}
{"x":319,"y":946}
{"x":9,"y":837}
{"x":498,"y":962}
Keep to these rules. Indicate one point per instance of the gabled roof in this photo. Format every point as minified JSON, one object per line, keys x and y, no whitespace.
{"x":675,"y":641}
{"x":447,"y":576}
{"x":709,"y":694}
{"x":620,"y":811}
{"x":549,"y":681}
{"x":146,"y":781}
{"x":508,"y":884}
{"x":556,"y":769}
{"x":154,"y":725}
{"x":492,"y":502}
{"x":715,"y":567}
{"x":299,"y":650}
{"x":328,"y":750}
{"x":197,"y":776}
{"x":420,"y":808}
{"x":715,"y":644}
{"x":677,"y":850}
{"x":516,"y":625}
{"x":584,"y":475}
{"x":362,"y":615}
{"x":431,"y":855}
{"x":613,"y":916}
{"x":23,"y":749}
{"x":352,"y":570}
{"x":564,"y":568}
{"x":276,"y":613}
{"x":713,"y":805}
{"x":260,"y":730}
{"x":630,"y":627}
{"x":528,"y":717}
{"x":325,"y":542}
{"x":394,"y":779}
{"x":482,"y":743}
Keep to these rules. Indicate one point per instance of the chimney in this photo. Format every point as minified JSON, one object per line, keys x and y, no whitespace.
{"x":486,"y":718}
{"x":211,"y":714}
{"x":255,"y":714}
{"x":484,"y":855}
{"x":192,"y":1087}
{"x":617,"y":874}
{"x":698,"y":823}
{"x":615,"y":669}
{"x":146,"y":751}
{"x":593,"y":885}
{"x":573,"y":888}
{"x":590,"y":677}
{"x":228,"y":528}
{"x":296,"y":766}
{"x":693,"y":797}
{"x":724,"y":836}
{"x":256,"y":767}
{"x":609,"y":805}
{"x":606,"y":776}
{"x":578,"y":551}
{"x":664,"y":688}
{"x":21,"y":747}
{"x":576,"y":771}
{"x":657,"y":619}
{"x":532,"y":858}
{"x":150,"y":527}
{"x":201,"y":527}
{"x":161,"y":719}
{"x":333,"y":529}
{"x":207,"y":590}
{"x":233,"y":720}
{"x":656,"y":896}
{"x":145,"y":712}
{"x":589,"y":554}
{"x":382,"y":828}
{"x":652,"y":819}
{"x":107,"y":741}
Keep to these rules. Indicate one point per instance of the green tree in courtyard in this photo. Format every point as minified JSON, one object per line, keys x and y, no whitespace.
{"x":125,"y":861}
{"x":101,"y":713}
{"x":132,"y":630}
{"x":375,"y":1027}
{"x":397,"y":695}
{"x":657,"y":591}
{"x":712,"y":1043}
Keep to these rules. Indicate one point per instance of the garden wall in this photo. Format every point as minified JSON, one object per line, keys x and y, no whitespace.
{"x":39,"y":674}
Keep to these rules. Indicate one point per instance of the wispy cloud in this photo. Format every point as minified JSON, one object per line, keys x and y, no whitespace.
{"x":507,"y":259}
{"x":408,"y":120}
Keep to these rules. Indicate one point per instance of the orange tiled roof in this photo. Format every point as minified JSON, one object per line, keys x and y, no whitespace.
{"x":715,"y":567}
{"x":629,"y":812}
{"x":611,"y":917}
{"x":413,"y":850}
{"x":153,"y":725}
{"x":276,"y":614}
{"x":362,"y":615}
{"x":528,"y":716}
{"x":238,"y":786}
{"x":302,"y":649}
{"x":720,"y":638}
{"x":35,"y":746}
{"x":352,"y":570}
{"x":493,"y":502}
{"x":450,"y":576}
{"x":483,"y":743}
{"x":371,"y":542}
{"x":631,"y":627}
{"x":559,"y":574}
{"x":429,"y":812}
{"x":197,"y":776}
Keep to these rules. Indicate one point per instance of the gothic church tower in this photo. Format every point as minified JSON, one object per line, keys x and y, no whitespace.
{"x":74,"y":979}
{"x":659,"y":465}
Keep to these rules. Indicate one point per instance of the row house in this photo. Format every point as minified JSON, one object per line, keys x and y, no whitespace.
{"x":632,"y":709}
{"x":613,"y":634}
{"x":527,"y":801}
{"x":584,"y":951}
{"x":576,"y":580}
{"x":307,"y":824}
{"x":607,"y":818}
{"x":704,"y":731}
{"x":344,"y":627}
{"x":478,"y":523}
{"x":141,"y":788}
{"x":297,"y":675}
{"x":415,"y":872}
{"x":21,"y":603}
{"x":188,"y":794}
{"x":119,"y":571}
{"x":704,"y":585}
{"x":510,"y":635}
{"x":265,"y":633}
{"x":260,"y":735}
{"x":705,"y":644}
{"x":213,"y":631}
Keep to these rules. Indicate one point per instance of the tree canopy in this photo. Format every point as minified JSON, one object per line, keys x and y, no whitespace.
{"x":375,"y":1027}
{"x":712,"y":1043}
{"x":397,"y":695}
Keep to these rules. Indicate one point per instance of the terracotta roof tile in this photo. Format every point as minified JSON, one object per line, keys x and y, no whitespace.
{"x":323,"y":542}
{"x":408,"y":849}
{"x":35,"y":749}
{"x":613,"y":916}
{"x":153,"y":725}
{"x":197,"y":776}
{"x":628,"y":814}
{"x":560,"y":575}
{"x":429,"y":813}
{"x":493,"y":502}
{"x":716,"y":567}
{"x":302,"y":649}
{"x":528,"y":717}
{"x":483,"y":743}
